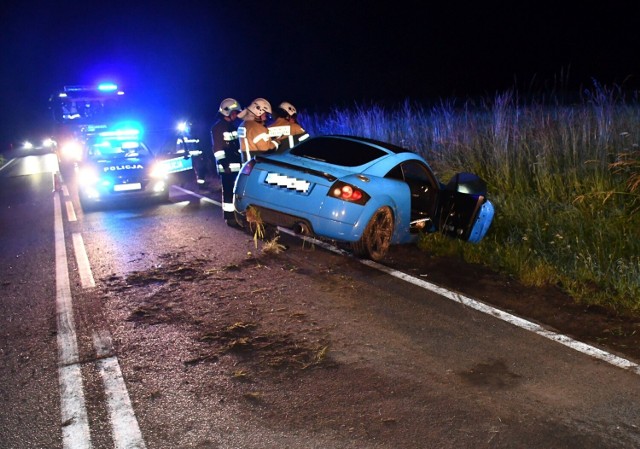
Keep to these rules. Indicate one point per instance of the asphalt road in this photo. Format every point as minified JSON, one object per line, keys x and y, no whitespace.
{"x":92,"y":360}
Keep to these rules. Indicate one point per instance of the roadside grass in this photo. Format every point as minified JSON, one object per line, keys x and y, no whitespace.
{"x":565,"y":181}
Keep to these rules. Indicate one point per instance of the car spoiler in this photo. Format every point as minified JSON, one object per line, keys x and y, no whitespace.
{"x":325,"y":175}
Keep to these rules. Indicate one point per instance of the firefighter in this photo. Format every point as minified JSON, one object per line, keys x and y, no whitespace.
{"x":253,"y":132}
{"x":285,"y":129}
{"x":189,"y":147}
{"x":226,"y":151}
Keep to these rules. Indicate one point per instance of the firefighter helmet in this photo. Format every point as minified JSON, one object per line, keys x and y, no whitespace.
{"x":288,"y":108}
{"x":259,"y":106}
{"x":228,"y":105}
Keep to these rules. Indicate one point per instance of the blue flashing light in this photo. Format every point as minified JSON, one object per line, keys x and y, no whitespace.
{"x":183,"y":127}
{"x":130,"y":145}
{"x":107,"y":87}
{"x":125,"y":132}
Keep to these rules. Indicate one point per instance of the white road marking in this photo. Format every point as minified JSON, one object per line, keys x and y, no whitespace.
{"x":126,"y":432}
{"x":197,"y":195}
{"x":84,"y":268}
{"x":71,"y":212}
{"x":75,"y":424}
{"x":76,"y":435}
{"x":125,"y":429}
{"x":489,"y":310}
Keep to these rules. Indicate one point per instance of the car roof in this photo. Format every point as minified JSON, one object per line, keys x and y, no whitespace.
{"x":345,"y":151}
{"x":369,"y":141}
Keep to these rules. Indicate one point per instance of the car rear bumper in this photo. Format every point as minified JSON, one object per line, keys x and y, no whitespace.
{"x":312,"y":225}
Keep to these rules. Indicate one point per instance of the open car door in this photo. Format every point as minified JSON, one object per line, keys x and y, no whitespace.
{"x":463,"y":209}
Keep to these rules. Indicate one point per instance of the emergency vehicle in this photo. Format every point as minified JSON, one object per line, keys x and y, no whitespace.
{"x":116,"y":164}
{"x":80,"y":111}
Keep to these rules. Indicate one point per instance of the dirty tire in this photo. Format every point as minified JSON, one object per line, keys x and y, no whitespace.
{"x":376,"y":237}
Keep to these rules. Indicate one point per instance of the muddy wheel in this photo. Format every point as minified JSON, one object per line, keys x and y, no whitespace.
{"x":376,"y":237}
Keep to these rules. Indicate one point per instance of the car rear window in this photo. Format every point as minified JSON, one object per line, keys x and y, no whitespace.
{"x":338,"y":151}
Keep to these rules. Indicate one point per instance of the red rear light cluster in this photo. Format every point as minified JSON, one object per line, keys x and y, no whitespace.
{"x":348,"y":192}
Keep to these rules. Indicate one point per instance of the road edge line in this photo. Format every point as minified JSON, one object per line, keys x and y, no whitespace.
{"x":576,"y":345}
{"x":75,"y":422}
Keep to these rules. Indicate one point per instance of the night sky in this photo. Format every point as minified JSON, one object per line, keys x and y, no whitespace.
{"x":181,"y":60}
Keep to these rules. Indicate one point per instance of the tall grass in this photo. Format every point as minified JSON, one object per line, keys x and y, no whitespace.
{"x":565,"y":180}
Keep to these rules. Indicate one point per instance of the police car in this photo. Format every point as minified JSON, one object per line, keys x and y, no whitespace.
{"x":117,"y":165}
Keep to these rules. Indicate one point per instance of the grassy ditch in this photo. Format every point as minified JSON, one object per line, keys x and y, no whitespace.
{"x":565,"y":180}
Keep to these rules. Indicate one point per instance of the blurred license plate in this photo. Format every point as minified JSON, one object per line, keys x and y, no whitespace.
{"x":125,"y":187}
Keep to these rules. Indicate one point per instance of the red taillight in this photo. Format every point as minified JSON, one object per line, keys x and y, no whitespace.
{"x":246,"y":168}
{"x":348,"y":192}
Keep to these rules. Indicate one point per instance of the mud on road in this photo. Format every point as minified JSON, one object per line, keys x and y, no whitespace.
{"x":247,"y":342}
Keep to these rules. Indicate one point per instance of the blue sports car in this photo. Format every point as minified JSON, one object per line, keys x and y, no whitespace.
{"x":361,"y":191}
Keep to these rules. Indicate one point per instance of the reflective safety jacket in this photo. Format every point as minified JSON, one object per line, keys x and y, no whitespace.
{"x":254,"y":139}
{"x":224,"y":139}
{"x":282,"y":130}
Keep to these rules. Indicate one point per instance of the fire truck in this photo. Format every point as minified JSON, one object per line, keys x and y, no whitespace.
{"x":80,"y":111}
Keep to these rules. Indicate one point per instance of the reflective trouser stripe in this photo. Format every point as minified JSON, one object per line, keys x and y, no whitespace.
{"x":234,"y":167}
{"x":227,"y":207}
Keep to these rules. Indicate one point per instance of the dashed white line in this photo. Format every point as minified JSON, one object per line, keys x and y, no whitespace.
{"x":75,"y":424}
{"x":75,"y":427}
{"x":84,"y":268}
{"x":71,"y":213}
{"x":126,"y":432}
